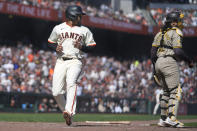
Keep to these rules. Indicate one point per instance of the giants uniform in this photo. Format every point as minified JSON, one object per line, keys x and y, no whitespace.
{"x":69,"y":64}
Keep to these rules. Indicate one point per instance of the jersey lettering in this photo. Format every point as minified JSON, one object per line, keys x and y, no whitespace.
{"x":71,"y":35}
{"x":66,"y":35}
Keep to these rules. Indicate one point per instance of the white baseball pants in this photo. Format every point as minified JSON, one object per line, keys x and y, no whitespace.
{"x":65,"y":78}
{"x":157,"y":104}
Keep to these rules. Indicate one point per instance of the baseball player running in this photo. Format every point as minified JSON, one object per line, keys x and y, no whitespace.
{"x":69,"y":39}
{"x":166,"y":50}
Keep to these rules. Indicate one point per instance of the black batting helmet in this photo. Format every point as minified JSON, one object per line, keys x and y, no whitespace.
{"x":73,"y":11}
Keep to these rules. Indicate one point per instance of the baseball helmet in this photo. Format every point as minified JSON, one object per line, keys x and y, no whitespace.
{"x":175,"y":16}
{"x":73,"y":11}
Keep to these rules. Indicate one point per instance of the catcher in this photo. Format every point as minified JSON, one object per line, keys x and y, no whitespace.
{"x":165,"y":52}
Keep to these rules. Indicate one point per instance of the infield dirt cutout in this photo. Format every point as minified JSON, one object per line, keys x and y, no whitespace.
{"x":91,"y":126}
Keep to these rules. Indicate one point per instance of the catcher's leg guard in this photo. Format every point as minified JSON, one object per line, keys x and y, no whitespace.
{"x":179,"y":96}
{"x":164,"y":104}
{"x":175,"y":97}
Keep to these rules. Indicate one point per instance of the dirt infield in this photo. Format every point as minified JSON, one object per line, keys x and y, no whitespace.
{"x":84,"y":126}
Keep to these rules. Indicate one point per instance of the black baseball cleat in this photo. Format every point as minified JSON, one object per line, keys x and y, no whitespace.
{"x":68,"y":118}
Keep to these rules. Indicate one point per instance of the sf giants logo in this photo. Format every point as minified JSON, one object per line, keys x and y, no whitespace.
{"x":71,"y":35}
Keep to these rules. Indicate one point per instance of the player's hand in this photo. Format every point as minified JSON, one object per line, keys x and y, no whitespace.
{"x":59,"y":48}
{"x":78,"y":45}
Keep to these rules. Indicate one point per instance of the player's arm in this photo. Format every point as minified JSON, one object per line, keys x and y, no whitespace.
{"x":90,"y":44}
{"x":52,"y":41}
{"x":52,"y":46}
{"x":55,"y":47}
{"x":154,"y":54}
{"x":87,"y":48}
{"x":177,"y":47}
{"x":154,"y":48}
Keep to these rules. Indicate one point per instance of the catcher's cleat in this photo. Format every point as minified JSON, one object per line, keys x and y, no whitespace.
{"x":173,"y":122}
{"x":68,"y":118}
{"x":162,"y":123}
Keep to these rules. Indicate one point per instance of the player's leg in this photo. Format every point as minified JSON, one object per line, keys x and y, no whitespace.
{"x":58,"y":84}
{"x":172,"y":80}
{"x":164,"y":104}
{"x":164,"y":98}
{"x":157,"y":104}
{"x":73,"y":73}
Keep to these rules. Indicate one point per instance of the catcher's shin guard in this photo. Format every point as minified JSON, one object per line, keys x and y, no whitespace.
{"x":179,"y":96}
{"x":164,"y":103}
{"x":175,"y":97}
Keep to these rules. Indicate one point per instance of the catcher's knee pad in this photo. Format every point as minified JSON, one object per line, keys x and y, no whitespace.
{"x":164,"y":103}
{"x":175,"y":97}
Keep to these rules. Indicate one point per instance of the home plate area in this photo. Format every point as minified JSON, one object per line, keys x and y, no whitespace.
{"x":90,"y":126}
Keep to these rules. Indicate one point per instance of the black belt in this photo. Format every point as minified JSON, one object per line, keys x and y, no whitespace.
{"x":165,"y":46}
{"x":167,"y":56}
{"x":65,"y":58}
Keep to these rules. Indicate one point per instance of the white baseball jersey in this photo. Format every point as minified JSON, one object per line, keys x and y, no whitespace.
{"x":68,"y":36}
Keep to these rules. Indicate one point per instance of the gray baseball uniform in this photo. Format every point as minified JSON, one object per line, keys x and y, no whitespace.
{"x":167,"y":69}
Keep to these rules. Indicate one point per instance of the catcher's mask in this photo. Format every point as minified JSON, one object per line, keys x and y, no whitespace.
{"x":175,"y":16}
{"x":73,"y":11}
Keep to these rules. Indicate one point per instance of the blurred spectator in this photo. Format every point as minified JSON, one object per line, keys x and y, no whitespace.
{"x":101,"y":107}
{"x":118,"y":109}
{"x":12,"y":103}
{"x":43,"y":106}
{"x":52,"y":106}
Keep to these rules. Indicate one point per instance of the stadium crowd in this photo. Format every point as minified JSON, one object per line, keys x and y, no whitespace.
{"x":190,"y":16}
{"x":174,"y":1}
{"x":104,"y":11}
{"x":24,"y":69}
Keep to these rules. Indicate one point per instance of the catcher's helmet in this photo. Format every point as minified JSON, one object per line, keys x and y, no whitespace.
{"x":73,"y":11}
{"x":175,"y":16}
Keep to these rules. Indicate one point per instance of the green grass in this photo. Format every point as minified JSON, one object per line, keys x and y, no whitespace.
{"x":57,"y":117}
